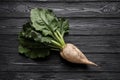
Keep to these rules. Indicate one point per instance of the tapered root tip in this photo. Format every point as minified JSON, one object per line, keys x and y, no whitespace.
{"x":92,"y":63}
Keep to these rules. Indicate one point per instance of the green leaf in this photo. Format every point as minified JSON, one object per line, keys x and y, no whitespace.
{"x":63,"y":26}
{"x":31,"y":43}
{"x":29,"y":32}
{"x":33,"y":52}
{"x":22,"y":50}
{"x":46,"y":39}
{"x":44,"y":20}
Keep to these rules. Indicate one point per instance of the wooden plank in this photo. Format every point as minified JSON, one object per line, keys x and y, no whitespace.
{"x":15,"y":62}
{"x":58,"y":76}
{"x":60,"y":0}
{"x":98,"y":38}
{"x":78,"y":26}
{"x":84,"y":9}
{"x":103,"y":44}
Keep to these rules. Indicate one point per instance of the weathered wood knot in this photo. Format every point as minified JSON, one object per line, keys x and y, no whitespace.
{"x":110,"y":9}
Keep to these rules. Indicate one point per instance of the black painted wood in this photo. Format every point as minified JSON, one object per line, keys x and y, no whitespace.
{"x":16,"y":62}
{"x":84,"y":9}
{"x":59,"y":0}
{"x":94,"y":28}
{"x":59,"y":76}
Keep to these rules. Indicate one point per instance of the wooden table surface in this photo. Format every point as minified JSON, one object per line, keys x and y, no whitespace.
{"x":94,"y":28}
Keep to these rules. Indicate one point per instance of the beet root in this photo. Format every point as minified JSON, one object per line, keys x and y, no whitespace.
{"x":72,"y":54}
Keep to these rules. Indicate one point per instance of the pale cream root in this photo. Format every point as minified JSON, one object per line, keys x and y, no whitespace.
{"x":72,"y":54}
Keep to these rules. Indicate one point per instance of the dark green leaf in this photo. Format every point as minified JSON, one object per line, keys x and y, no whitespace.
{"x":63,"y":26}
{"x":34,"y":52}
{"x":44,"y":20}
{"x":22,"y":50}
{"x":31,"y":43}
{"x":29,"y":32}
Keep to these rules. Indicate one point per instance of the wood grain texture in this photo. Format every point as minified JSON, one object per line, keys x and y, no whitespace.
{"x":78,"y":26}
{"x":54,"y":63}
{"x":94,"y":28}
{"x":58,"y":76}
{"x":84,"y":9}
{"x":103,"y":44}
{"x":61,"y":0}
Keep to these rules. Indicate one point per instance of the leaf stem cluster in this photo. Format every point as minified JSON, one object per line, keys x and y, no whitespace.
{"x":59,"y":42}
